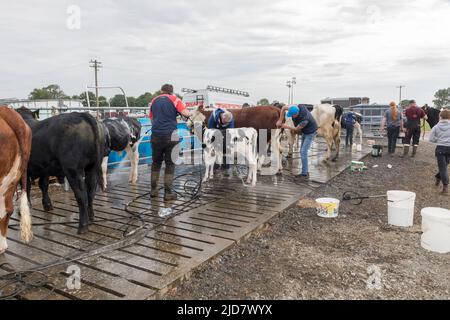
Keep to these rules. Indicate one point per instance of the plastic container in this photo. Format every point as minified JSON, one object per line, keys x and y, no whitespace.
{"x":401,"y":208}
{"x":436,"y":230}
{"x":377,"y":151}
{"x":327,"y":207}
{"x":164,"y":212}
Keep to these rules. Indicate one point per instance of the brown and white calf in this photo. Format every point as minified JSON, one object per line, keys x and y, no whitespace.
{"x":15,"y":142}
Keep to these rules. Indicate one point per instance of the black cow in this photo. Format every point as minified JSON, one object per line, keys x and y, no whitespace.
{"x":68,"y":145}
{"x":122,"y":133}
{"x":432,"y":114}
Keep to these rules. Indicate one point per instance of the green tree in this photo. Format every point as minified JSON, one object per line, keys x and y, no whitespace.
{"x":119,"y":101}
{"x":144,"y":99}
{"x":263,"y":102}
{"x":442,"y":98}
{"x":52,"y":91}
{"x":102,"y":101}
{"x":82,"y":97}
{"x":404,"y":103}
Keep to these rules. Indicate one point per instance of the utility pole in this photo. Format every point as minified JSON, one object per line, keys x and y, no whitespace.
{"x":96,"y":65}
{"x":400,"y":101}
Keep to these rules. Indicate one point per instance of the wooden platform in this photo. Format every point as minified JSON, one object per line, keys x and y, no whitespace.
{"x":226,"y":212}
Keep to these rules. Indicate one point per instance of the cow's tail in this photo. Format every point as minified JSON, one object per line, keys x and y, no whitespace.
{"x":24,"y":136}
{"x":99,"y":141}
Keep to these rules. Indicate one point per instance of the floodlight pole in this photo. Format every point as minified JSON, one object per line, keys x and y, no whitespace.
{"x":293,"y":82}
{"x":289,"y":85}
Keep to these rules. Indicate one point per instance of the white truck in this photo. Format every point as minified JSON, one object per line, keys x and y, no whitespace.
{"x":216,"y":97}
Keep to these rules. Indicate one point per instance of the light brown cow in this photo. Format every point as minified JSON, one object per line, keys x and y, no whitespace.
{"x":15,"y":142}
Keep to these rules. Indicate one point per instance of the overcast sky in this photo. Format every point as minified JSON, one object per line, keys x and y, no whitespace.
{"x":334,"y":48}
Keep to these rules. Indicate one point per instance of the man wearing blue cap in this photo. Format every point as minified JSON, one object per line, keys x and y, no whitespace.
{"x":306,"y":125}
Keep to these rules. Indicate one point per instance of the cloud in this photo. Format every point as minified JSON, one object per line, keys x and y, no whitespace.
{"x":350,"y":47}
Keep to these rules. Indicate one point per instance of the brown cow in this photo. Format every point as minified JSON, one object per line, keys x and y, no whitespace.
{"x":15,"y":139}
{"x":259,"y":118}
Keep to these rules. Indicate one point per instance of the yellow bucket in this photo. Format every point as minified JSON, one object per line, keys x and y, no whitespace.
{"x":327,"y":207}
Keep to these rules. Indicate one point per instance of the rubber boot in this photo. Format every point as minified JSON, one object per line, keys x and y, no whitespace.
{"x":438,"y":182}
{"x":405,"y":151}
{"x":414,"y":151}
{"x":154,"y":184}
{"x":169,"y":194}
{"x":445,"y":190}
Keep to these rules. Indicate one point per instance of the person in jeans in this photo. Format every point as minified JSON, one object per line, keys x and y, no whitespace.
{"x":350,"y":120}
{"x":440,"y":135}
{"x":413,"y":114}
{"x":164,"y":110}
{"x":393,"y":120}
{"x":306,"y":125}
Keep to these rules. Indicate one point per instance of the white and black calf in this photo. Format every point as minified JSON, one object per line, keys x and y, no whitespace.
{"x":122,"y":134}
{"x":240,"y":142}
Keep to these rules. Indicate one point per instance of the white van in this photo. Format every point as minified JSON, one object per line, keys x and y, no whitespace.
{"x":216,"y":97}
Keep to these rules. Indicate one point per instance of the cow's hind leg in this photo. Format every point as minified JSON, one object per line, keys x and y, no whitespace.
{"x":78,"y":185}
{"x":91,"y":180}
{"x":133,"y":155}
{"x":8,"y":210}
{"x":337,"y":143}
{"x":104,"y":172}
{"x":46,"y":202}
{"x":329,"y":146}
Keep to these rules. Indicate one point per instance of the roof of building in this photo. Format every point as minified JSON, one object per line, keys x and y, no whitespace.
{"x":346,"y":98}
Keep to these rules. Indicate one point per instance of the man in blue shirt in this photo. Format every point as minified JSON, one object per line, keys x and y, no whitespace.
{"x":164,"y":110}
{"x":222,"y":120}
{"x":306,"y":125}
{"x":350,"y":121}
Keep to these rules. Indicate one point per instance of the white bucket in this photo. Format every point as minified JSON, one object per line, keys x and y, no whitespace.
{"x":401,"y":208}
{"x":436,"y":229}
{"x":328,"y":207}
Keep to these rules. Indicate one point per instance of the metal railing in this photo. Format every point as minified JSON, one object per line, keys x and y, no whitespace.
{"x":372,"y":115}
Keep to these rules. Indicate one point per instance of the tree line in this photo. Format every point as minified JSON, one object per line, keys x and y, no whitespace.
{"x":54,"y":91}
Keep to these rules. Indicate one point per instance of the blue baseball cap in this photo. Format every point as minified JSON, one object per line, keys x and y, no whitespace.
{"x":293,"y":110}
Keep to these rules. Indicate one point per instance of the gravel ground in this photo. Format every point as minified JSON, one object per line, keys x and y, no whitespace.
{"x":302,"y":256}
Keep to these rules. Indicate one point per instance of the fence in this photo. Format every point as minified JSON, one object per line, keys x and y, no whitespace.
{"x":372,"y":115}
{"x":117,"y":160}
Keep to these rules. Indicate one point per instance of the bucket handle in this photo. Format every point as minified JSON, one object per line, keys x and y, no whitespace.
{"x":401,"y":200}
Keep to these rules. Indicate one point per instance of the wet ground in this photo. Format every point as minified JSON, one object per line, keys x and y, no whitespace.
{"x":355,"y":256}
{"x":160,"y":251}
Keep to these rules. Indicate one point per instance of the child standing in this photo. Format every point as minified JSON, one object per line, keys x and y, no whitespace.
{"x":441,"y":136}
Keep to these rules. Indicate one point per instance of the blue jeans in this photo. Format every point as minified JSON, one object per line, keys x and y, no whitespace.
{"x":307,"y":140}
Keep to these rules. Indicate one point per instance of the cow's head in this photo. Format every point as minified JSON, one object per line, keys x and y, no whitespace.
{"x":27,"y":114}
{"x":197,"y":117}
